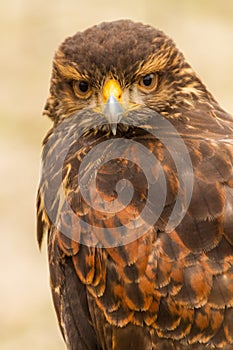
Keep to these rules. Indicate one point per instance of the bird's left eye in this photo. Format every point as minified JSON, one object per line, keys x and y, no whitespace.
{"x":82,"y":88}
{"x":148,"y":83}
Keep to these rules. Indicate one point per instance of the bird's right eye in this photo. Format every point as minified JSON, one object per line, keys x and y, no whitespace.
{"x":82,"y":88}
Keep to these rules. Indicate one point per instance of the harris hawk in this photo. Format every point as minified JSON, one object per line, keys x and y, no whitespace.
{"x":136,"y":195}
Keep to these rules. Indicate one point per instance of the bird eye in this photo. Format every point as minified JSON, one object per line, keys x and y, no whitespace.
{"x":148,"y":83}
{"x":82,"y":89}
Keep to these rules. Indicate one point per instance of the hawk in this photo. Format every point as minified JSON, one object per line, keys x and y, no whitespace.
{"x":136,"y":195}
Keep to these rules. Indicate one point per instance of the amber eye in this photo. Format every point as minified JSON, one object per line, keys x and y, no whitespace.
{"x":148,"y":83}
{"x":82,"y":88}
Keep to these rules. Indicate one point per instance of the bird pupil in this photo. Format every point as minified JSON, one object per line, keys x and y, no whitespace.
{"x":83,"y":86}
{"x":147,"y":80}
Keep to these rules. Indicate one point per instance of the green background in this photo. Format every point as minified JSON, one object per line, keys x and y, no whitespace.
{"x":30,"y":32}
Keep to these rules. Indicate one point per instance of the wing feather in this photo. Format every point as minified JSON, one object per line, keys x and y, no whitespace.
{"x":172,"y":288}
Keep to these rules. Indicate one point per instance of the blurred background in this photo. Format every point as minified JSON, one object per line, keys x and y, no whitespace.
{"x":30,"y":32}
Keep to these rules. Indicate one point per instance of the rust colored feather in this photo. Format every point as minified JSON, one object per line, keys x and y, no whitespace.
{"x":113,"y":286}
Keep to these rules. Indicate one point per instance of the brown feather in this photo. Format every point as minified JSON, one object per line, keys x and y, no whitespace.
{"x":164,"y":289}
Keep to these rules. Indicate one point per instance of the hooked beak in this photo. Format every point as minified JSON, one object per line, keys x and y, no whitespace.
{"x":113,"y":109}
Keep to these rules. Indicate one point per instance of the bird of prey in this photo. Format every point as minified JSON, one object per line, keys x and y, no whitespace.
{"x":136,"y":195}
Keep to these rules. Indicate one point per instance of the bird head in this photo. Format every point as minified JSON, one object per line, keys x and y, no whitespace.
{"x":116,"y":67}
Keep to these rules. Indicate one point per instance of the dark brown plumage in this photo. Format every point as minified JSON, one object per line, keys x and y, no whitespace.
{"x":163,"y":288}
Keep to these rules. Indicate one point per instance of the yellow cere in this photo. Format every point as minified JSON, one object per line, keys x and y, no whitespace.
{"x":112,"y":88}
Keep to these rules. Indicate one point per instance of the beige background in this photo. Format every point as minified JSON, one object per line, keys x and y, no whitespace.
{"x":30,"y":31}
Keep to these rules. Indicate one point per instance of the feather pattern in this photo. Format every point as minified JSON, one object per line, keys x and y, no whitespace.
{"x":162,"y":289}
